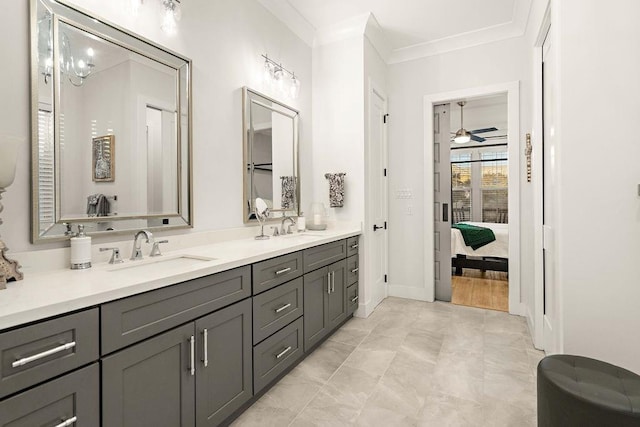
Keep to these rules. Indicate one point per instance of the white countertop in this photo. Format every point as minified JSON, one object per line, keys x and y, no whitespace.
{"x":50,"y":293}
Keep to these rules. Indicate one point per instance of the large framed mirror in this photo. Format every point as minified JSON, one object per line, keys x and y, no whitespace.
{"x":271,"y":168}
{"x":111,"y":127}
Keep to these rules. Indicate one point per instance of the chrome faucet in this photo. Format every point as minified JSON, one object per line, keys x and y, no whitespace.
{"x":136,"y":253}
{"x":288,"y":230}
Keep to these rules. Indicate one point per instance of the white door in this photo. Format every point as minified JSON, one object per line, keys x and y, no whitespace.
{"x":550,"y":299}
{"x":442,"y":199}
{"x":378,"y":194}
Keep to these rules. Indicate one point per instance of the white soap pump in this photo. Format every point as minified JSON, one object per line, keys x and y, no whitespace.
{"x":80,"y":250}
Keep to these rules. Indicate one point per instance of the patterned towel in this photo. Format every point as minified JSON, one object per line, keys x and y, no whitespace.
{"x":288,"y":191}
{"x":336,"y":189}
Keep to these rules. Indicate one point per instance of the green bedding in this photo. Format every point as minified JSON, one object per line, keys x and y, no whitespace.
{"x":475,"y":237}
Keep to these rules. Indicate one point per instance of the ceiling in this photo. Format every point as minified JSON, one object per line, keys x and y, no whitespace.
{"x":412,"y":28}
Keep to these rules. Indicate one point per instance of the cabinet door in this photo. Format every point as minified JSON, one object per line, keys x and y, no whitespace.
{"x":224,"y":379}
{"x":74,"y":398}
{"x":315,"y":295}
{"x":337,"y":298}
{"x":151,"y":383}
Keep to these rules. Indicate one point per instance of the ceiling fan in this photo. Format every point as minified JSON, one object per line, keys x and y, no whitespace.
{"x":463,"y":135}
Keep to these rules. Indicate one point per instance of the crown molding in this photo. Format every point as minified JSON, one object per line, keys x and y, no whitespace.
{"x":290,"y":16}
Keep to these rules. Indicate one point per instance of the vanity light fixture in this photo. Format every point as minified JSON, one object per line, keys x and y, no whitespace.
{"x":285,"y":81}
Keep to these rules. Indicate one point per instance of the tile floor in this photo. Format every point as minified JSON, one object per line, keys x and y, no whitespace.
{"x":411,"y":364}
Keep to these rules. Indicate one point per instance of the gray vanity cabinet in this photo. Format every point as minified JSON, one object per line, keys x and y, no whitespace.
{"x":151,"y":383}
{"x":224,"y":363}
{"x":324,"y":302}
{"x":73,"y":399}
{"x":194,"y":375}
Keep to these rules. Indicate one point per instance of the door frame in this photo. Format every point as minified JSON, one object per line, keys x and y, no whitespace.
{"x":538,"y":318}
{"x":371,"y":296}
{"x":512,"y":89}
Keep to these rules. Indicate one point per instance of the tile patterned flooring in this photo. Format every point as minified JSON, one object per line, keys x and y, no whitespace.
{"x":411,"y":363}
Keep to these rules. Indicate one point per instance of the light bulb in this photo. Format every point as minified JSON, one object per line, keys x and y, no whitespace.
{"x":81,"y":64}
{"x":90,"y":52}
{"x":48,"y":62}
{"x":278,"y":74}
{"x":295,"y":87}
{"x":268,"y":72}
{"x":169,"y":22}
{"x":135,"y":7}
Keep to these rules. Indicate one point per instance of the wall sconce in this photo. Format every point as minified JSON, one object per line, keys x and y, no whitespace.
{"x":171,"y":13}
{"x":285,"y":81}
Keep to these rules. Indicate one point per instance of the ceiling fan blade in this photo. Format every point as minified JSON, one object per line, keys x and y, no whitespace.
{"x":496,"y":137}
{"x":484,"y":130}
{"x":477,"y":138}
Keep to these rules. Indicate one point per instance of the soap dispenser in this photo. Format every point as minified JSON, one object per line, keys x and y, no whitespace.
{"x":80,"y":250}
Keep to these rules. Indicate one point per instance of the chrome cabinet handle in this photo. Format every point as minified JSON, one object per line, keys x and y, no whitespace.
{"x":355,"y":270}
{"x":354,"y":299}
{"x":192,"y":357}
{"x":24,"y":361}
{"x":333,"y":281}
{"x":354,"y":246}
{"x":67,"y":422}
{"x":329,"y":282}
{"x":283,"y":352}
{"x":284,"y":307}
{"x":284,"y":270}
{"x":205,"y":344}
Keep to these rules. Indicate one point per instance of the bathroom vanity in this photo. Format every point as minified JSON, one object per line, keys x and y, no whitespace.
{"x":192,"y":339}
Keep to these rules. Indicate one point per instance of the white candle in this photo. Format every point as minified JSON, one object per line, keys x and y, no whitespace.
{"x":317,"y":219}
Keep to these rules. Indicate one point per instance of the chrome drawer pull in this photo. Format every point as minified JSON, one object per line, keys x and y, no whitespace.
{"x":205,"y":344}
{"x":67,"y":422}
{"x":283,"y":352}
{"x":284,"y":307}
{"x":44,"y":354}
{"x":284,"y":270}
{"x":354,"y":299}
{"x":192,"y":357}
{"x":355,"y":270}
{"x":354,"y":246}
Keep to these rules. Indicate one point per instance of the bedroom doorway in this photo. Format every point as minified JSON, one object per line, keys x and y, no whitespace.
{"x":479,"y":231}
{"x":489,"y":197}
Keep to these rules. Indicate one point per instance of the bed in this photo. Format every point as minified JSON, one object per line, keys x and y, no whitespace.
{"x":493,"y":256}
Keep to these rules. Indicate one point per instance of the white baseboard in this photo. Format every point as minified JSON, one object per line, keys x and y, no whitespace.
{"x":410,"y":292}
{"x":365,"y":310}
{"x":518,"y":310}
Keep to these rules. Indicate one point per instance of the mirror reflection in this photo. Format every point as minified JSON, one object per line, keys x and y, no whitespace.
{"x":271,"y":154}
{"x":113,"y":128}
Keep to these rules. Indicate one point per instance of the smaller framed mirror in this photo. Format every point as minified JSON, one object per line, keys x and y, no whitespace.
{"x":270,"y":166}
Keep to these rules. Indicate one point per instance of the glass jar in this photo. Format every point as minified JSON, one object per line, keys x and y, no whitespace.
{"x":317,"y":217}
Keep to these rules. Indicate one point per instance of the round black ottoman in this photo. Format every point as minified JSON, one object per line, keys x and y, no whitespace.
{"x":578,"y":391}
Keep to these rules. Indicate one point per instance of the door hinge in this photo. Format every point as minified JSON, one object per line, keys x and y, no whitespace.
{"x":384,"y":118}
{"x":385,"y":278}
{"x":384,"y":171}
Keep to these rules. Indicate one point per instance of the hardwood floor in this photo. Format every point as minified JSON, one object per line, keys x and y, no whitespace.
{"x":483,"y":290}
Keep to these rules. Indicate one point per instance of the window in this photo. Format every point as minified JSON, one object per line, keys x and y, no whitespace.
{"x":494,"y":186}
{"x":45,"y":167}
{"x":461,"y":186}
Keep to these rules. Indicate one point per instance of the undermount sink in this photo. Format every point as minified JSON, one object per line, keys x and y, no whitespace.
{"x":301,"y":236}
{"x":153,"y":264}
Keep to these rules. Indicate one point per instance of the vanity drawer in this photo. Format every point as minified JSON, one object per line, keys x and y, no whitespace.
{"x":276,"y":308}
{"x":35,"y":353}
{"x":352,"y":245}
{"x":133,"y":319}
{"x":352,"y":299}
{"x":75,"y":395}
{"x":353,"y":263}
{"x":272,"y":272}
{"x":323,"y":255}
{"x":275,"y":354}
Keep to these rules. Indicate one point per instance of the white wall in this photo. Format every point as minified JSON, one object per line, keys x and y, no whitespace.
{"x":500,"y":62}
{"x":598,"y":233}
{"x":224,"y":38}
